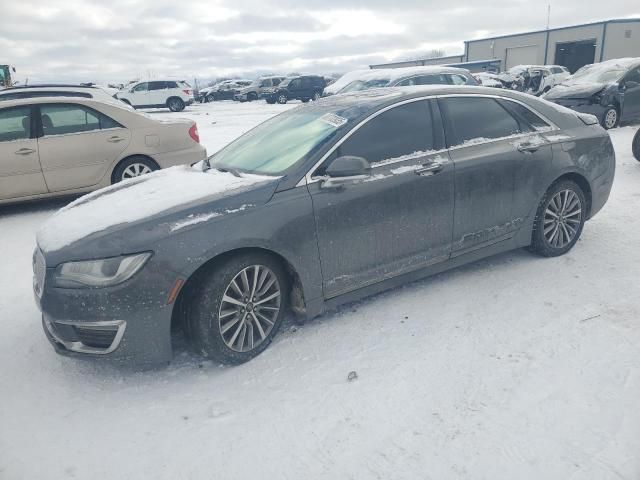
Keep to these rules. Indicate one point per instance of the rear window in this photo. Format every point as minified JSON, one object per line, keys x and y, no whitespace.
{"x":474,"y":120}
{"x":526,"y":115}
{"x":40,"y":94}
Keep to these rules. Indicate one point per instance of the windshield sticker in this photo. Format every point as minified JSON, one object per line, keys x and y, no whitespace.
{"x":333,"y":120}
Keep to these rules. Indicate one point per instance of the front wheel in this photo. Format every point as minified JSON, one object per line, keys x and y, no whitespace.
{"x":175,"y":104}
{"x":237,"y":308}
{"x":282,"y":99}
{"x":559,"y":219}
{"x":211,"y":98}
{"x":635,"y":145}
{"x":610,"y":118}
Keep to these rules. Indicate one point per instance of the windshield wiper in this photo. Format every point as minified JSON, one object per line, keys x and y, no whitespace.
{"x":232,"y":171}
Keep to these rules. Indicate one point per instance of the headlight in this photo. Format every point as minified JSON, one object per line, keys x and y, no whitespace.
{"x":597,"y":97}
{"x":99,"y":273}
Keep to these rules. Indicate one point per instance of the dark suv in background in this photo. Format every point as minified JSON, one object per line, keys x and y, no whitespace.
{"x":303,"y":87}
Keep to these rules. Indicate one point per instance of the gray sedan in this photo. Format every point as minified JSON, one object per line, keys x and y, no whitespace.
{"x":324,"y":204}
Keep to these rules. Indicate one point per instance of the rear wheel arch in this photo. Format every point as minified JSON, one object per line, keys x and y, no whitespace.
{"x":582,"y":182}
{"x":296,"y":292}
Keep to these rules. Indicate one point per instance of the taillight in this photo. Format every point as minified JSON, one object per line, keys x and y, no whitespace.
{"x":193,"y":133}
{"x":188,"y":92}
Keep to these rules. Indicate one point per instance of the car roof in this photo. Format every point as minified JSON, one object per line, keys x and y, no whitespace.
{"x":89,"y":102}
{"x":50,"y":85}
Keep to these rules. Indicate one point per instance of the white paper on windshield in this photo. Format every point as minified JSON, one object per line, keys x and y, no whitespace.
{"x":333,"y":120}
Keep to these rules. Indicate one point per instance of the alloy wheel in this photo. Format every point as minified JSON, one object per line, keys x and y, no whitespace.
{"x":249,"y":308}
{"x":282,"y":99}
{"x":562,"y":218}
{"x":135,"y":170}
{"x":611,"y":118}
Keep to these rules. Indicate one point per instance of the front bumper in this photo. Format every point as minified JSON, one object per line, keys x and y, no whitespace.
{"x":128,"y":323}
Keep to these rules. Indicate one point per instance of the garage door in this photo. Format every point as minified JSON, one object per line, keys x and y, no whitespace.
{"x":525,"y":55}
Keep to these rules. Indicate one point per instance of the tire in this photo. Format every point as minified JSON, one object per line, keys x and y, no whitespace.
{"x":218,"y":329}
{"x":175,"y":104}
{"x":610,"y":118}
{"x":635,"y":145}
{"x":305,"y":100}
{"x":210,"y":98}
{"x":564,"y":202}
{"x":282,"y":99}
{"x":271,"y":101}
{"x":316,"y":96}
{"x":133,"y":167}
{"x":252,"y":96}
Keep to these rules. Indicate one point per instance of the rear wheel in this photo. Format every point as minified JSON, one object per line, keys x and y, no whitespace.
{"x":211,"y":97}
{"x":133,"y":167}
{"x":237,"y":308}
{"x":559,"y":219}
{"x":316,"y":96}
{"x":305,"y":100}
{"x":175,"y":104}
{"x":610,"y":118}
{"x":271,"y":101}
{"x":635,"y":145}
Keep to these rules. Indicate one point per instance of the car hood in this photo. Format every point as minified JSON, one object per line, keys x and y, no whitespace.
{"x":121,"y":218}
{"x":574,"y":90}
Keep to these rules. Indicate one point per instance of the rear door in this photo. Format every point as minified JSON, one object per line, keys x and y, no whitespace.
{"x":157,"y":93}
{"x":78,"y":145}
{"x":397,"y":221}
{"x":484,"y":140}
{"x":632,"y":94}
{"x":295,"y":88}
{"x":20,"y":172}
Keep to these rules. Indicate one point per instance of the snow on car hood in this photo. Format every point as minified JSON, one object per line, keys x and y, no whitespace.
{"x":574,"y":90}
{"x":138,"y":199}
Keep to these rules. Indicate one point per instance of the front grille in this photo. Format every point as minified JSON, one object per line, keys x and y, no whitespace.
{"x":95,"y":337}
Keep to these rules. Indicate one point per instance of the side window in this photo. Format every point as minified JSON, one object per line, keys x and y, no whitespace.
{"x":265,"y":83}
{"x":305,"y":82}
{"x":526,"y":115}
{"x":65,"y":119}
{"x":400,"y":131}
{"x":156,"y":85}
{"x":170,"y":85}
{"x":457,"y":79}
{"x":556,"y":70}
{"x":15,"y":124}
{"x":276,"y":81}
{"x":633,"y":76}
{"x":295,"y":84}
{"x":142,"y":87}
{"x":474,"y":119}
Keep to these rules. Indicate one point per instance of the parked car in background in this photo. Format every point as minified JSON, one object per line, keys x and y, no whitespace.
{"x":225,"y":90}
{"x":258,"y":88}
{"x":67,"y":145}
{"x":410,"y":76}
{"x":321,"y":205}
{"x":609,"y":90}
{"x":302,"y":87}
{"x":343,"y":81}
{"x":172,"y":94}
{"x":487,"y":79}
{"x":538,"y":79}
{"x":635,"y":145}
{"x":52,"y":90}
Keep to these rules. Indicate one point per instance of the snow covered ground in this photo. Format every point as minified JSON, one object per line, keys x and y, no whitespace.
{"x":515,"y":367}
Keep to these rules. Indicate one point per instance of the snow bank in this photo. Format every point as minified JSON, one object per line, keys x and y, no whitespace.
{"x":137,"y":199}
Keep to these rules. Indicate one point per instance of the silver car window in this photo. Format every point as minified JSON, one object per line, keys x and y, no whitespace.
{"x":15,"y":124}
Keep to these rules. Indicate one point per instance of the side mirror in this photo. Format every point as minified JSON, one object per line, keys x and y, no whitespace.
{"x":346,"y":169}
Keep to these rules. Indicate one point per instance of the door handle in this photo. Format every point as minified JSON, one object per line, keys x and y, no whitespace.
{"x":429,"y":168}
{"x":25,"y":151}
{"x":527,"y":147}
{"x":115,"y":139}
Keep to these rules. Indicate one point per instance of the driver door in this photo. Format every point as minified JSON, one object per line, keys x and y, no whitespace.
{"x":397,"y":220}
{"x":140,"y":95}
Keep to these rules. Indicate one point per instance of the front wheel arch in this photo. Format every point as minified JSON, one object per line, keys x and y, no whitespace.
{"x":296,"y":294}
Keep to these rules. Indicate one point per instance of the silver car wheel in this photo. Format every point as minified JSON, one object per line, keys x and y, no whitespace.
{"x":249,"y":308}
{"x":611,"y":118}
{"x":562,"y":218}
{"x":282,"y":99}
{"x":135,"y":170}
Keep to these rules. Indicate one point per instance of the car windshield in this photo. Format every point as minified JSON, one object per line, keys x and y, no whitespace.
{"x":359,"y":85}
{"x":597,"y":75}
{"x":277,"y":144}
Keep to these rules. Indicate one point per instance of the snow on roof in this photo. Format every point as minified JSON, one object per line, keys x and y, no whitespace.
{"x":151,"y":194}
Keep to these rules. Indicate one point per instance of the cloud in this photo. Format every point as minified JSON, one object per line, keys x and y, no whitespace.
{"x":90,"y":40}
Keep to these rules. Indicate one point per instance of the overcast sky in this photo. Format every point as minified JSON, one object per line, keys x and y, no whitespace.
{"x":120,"y":40}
